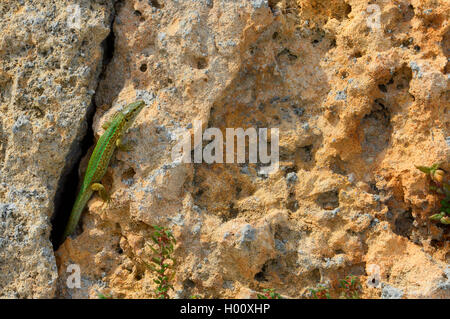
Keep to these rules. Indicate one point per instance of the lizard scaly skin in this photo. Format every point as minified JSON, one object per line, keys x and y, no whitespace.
{"x":99,"y":161}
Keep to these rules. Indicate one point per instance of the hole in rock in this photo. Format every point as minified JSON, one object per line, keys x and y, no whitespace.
{"x":143,"y":67}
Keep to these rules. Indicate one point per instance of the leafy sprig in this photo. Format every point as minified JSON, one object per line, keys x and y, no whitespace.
{"x":350,"y":287}
{"x":441,"y":186}
{"x":162,"y":261}
{"x":320,"y":293}
{"x":269,"y":294}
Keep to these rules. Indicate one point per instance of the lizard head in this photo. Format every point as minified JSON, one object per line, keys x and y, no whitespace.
{"x":131,"y":111}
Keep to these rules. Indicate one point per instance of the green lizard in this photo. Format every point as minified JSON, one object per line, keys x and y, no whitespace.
{"x":99,"y":161}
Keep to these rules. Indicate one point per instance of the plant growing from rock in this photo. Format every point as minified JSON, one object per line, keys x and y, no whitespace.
{"x":320,"y":293}
{"x":347,"y":288}
{"x":103,"y":296}
{"x":350,"y":287}
{"x":269,"y":294}
{"x":441,"y":186}
{"x":162,"y":261}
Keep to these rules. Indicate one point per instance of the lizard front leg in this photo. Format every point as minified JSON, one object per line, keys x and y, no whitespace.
{"x":106,"y":125}
{"x":97,"y":187}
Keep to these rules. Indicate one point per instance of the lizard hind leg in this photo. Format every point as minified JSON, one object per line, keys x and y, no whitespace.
{"x":101,"y":191}
{"x":124,"y":147}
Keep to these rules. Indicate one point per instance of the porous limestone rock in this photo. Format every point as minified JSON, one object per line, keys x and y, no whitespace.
{"x":49,"y":68}
{"x":358,"y":90}
{"x":359,"y":94}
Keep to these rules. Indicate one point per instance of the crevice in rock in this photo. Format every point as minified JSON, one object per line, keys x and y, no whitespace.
{"x":67,"y":189}
{"x":403,"y":224}
{"x":328,"y":200}
{"x":262,"y":275}
{"x":338,"y":166}
{"x":69,"y":181}
{"x":445,"y":43}
{"x":156,"y":4}
{"x":376,"y":129}
{"x":272,"y":4}
{"x":292,"y":203}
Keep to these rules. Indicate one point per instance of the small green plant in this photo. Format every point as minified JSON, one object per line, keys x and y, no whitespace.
{"x":350,"y":287}
{"x":195,"y":297}
{"x":347,"y":288}
{"x":320,"y":293}
{"x":103,"y":296}
{"x":441,"y":186}
{"x":162,"y":261}
{"x":269,"y":294}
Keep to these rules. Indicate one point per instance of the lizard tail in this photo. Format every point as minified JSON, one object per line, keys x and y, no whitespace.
{"x":77,"y":209}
